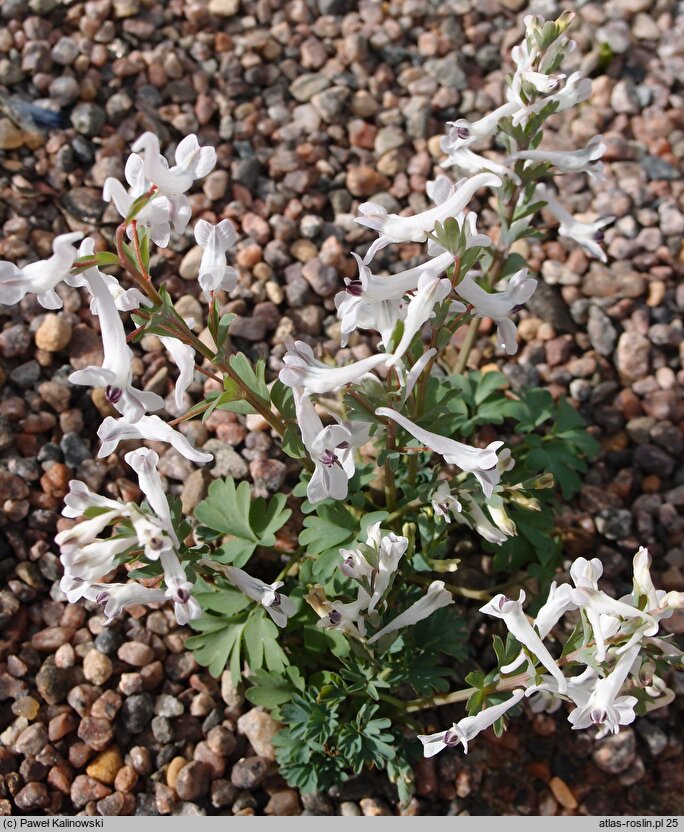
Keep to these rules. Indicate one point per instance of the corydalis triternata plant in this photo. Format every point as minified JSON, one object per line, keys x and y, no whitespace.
{"x":354,"y":628}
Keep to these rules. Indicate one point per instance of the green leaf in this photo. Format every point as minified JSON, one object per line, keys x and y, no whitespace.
{"x":231,"y":510}
{"x":331,"y":526}
{"x":487,"y":384}
{"x":514,"y":263}
{"x":217,"y":644}
{"x":270,"y":690}
{"x":260,"y":638}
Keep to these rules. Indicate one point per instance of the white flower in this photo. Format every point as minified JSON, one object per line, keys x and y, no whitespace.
{"x":576,"y":89}
{"x":329,"y":449}
{"x":355,"y":566}
{"x":159,"y":214}
{"x":435,"y":598}
{"x":444,"y":503}
{"x":463,"y":132}
{"x":115,"y":373}
{"x":467,"y":728}
{"x":94,"y":560}
{"x":389,"y":549}
{"x":602,"y":611}
{"x":586,"y":234}
{"x":605,"y":708}
{"x":481,"y":462}
{"x":278,"y":606}
{"x":527,"y":81}
{"x":431,"y":290}
{"x":474,"y":518}
{"x":570,"y":161}
{"x":149,"y":428}
{"x":451,"y":199}
{"x":303,"y":370}
{"x":511,"y":612}
{"x":215,"y":240}
{"x":114,"y":598}
{"x":345,"y":617}
{"x":184,"y":358}
{"x":643,"y":583}
{"x":192,"y":162}
{"x":467,"y":162}
{"x":144,"y":462}
{"x":80,"y":498}
{"x":415,"y":372}
{"x":86,"y":531}
{"x":125,"y":300}
{"x":500,"y":305}
{"x":558,"y":602}
{"x":178,"y":587}
{"x":42,"y":277}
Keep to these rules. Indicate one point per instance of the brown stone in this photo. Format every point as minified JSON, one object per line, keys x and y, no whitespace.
{"x":106,"y":766}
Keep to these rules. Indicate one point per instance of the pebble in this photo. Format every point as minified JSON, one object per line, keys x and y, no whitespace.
{"x":136,"y":654}
{"x":615,"y":753}
{"x":249,"y":772}
{"x":192,"y":781}
{"x":633,"y":356}
{"x":259,"y":727}
{"x":32,"y":796}
{"x":97,"y":667}
{"x":283,"y":803}
{"x":53,"y":334}
{"x":106,"y":766}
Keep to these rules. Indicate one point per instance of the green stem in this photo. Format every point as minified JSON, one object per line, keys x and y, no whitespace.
{"x":390,"y":483}
{"x":467,"y":346}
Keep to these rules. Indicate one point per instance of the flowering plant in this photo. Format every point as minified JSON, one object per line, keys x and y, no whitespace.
{"x":352,"y":630}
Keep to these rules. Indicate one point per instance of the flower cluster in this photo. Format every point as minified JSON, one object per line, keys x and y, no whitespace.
{"x":614,"y":679}
{"x":360,"y":557}
{"x":88,"y":559}
{"x":373,"y":567}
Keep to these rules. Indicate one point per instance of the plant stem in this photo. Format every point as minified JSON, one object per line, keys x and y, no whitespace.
{"x":390,"y":483}
{"x":467,"y":346}
{"x":463,"y":591}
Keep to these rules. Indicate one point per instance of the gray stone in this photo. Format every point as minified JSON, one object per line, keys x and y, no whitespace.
{"x":633,"y":356}
{"x":616,"y":752}
{"x":227,"y":461}
{"x":305,"y":86}
{"x":602,"y":333}
{"x":88,"y":118}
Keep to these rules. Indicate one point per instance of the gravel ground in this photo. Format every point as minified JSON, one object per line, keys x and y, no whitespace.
{"x":314,"y":107}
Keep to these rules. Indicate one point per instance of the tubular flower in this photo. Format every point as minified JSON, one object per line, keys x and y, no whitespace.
{"x":431,"y":290}
{"x":467,"y":728}
{"x":586,"y":160}
{"x":277,"y":605}
{"x":329,"y":449}
{"x":40,"y":278}
{"x":511,"y":612}
{"x":125,"y":300}
{"x":115,"y":373}
{"x":500,"y":305}
{"x":463,"y":133}
{"x":435,"y":598}
{"x":577,"y":88}
{"x":148,"y":428}
{"x":586,"y":234}
{"x":605,"y":708}
{"x":303,"y":370}
{"x":215,"y":241}
{"x":192,"y":162}
{"x":482,"y":463}
{"x":467,"y":162}
{"x":161,"y":212}
{"x":450,"y":200}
